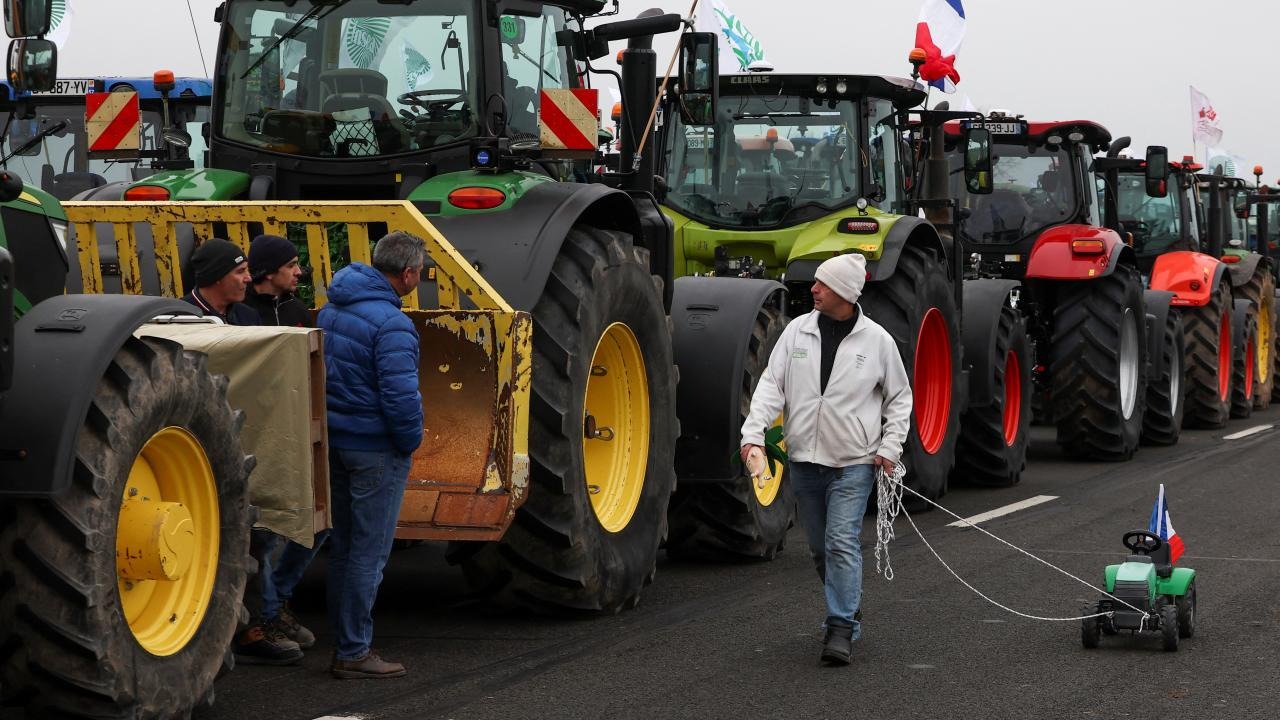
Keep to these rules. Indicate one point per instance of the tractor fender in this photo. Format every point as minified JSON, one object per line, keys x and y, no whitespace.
{"x":1191,"y":276}
{"x":72,"y":338}
{"x":1052,"y":258}
{"x":1157,"y":304}
{"x":515,"y":249}
{"x":712,"y":320}
{"x":907,"y":230}
{"x":981,"y":323}
{"x":1177,"y":582}
{"x":1242,"y":271}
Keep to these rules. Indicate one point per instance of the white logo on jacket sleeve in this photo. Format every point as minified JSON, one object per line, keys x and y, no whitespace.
{"x":859,"y":361}
{"x":800,"y":353}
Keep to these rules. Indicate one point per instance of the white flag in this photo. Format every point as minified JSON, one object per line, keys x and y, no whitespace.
{"x":738,"y":47}
{"x":60,"y":22}
{"x":1204,"y":120}
{"x":1232,"y":165}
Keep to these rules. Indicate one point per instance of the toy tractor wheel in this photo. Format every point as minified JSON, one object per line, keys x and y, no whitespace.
{"x":1208,"y":331}
{"x":993,"y":438}
{"x":737,"y":519}
{"x":1244,"y":358}
{"x":1090,"y":628}
{"x":1186,"y":604}
{"x":1098,"y":362}
{"x":1169,"y":626}
{"x":1166,"y":395}
{"x":89,"y":630}
{"x":602,"y":432}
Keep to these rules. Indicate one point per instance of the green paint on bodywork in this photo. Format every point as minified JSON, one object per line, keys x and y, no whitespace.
{"x":696,"y":243}
{"x":512,"y":184}
{"x":36,"y":201}
{"x":202,"y":184}
{"x":1176,"y":584}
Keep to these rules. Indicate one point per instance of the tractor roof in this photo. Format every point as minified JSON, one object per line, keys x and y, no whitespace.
{"x":901,"y":91}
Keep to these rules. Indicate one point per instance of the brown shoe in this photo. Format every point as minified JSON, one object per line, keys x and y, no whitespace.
{"x":264,"y":645}
{"x":369,"y":666}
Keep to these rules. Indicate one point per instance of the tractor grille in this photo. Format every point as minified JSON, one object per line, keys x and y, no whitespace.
{"x":1134,"y":592}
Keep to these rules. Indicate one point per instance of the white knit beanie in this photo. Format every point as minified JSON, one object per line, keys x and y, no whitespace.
{"x":845,"y":275}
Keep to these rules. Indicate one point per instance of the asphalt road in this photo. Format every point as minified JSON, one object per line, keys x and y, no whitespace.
{"x":742,"y":641}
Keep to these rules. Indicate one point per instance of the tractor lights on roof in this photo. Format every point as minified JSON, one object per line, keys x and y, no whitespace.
{"x":1075,"y":136}
{"x":842,"y":87}
{"x":1054,"y":139}
{"x":821,"y":87}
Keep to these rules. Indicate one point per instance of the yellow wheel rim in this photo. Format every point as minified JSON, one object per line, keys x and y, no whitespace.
{"x":615,"y":421}
{"x":767,"y":494}
{"x":167,"y":540}
{"x":1263,"y":344}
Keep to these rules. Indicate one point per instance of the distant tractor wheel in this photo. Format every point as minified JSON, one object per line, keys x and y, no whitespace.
{"x":121,"y":596}
{"x":1244,"y":358}
{"x":1169,"y":626}
{"x":1208,"y":331}
{"x":737,"y":519}
{"x":1186,"y":605}
{"x":916,"y":305}
{"x":1098,"y":366}
{"x":1166,"y":394}
{"x":602,"y":433}
{"x":1260,"y":291}
{"x":1090,"y":628}
{"x":992,"y":449}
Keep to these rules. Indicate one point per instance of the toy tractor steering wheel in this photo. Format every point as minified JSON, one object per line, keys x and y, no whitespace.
{"x":418,"y":98}
{"x":1141,"y":542}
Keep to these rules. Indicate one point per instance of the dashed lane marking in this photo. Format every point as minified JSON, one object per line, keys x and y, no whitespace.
{"x":1247,"y":433}
{"x":341,"y":717}
{"x":1015,"y":507}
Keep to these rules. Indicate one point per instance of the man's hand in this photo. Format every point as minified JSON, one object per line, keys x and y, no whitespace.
{"x":746,"y":450}
{"x":885,"y":463}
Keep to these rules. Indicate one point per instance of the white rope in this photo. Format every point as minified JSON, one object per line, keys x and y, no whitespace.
{"x":890,"y":489}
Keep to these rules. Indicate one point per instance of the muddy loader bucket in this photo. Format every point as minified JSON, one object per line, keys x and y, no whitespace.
{"x":472,"y":469}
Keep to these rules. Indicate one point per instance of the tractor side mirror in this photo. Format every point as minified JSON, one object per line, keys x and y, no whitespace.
{"x":699,"y":73}
{"x":33,"y":65}
{"x":977,"y":162}
{"x":1242,"y":211}
{"x":28,"y":19}
{"x":1157,"y":171}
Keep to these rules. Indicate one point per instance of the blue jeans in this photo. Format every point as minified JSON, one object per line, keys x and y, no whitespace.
{"x":831,"y":503}
{"x":367,"y":487}
{"x":286,"y":571}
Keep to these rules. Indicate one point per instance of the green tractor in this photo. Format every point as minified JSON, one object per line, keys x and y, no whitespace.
{"x":123,"y":487}
{"x":796,"y":168}
{"x":1145,"y":593}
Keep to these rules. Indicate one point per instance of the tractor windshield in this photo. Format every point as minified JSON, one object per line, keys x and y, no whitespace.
{"x":777,"y":159}
{"x":1034,"y":188}
{"x":1156,"y":223}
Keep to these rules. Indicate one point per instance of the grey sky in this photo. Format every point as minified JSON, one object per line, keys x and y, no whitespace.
{"x":1124,"y":63}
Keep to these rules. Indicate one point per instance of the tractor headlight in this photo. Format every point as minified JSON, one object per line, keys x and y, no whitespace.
{"x":60,"y":233}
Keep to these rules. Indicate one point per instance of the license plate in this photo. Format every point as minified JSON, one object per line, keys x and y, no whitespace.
{"x":72,"y":86}
{"x":1000,"y":128}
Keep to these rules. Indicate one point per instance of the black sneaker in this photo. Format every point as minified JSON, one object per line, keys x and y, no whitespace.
{"x":289,"y":626}
{"x":265,"y":645}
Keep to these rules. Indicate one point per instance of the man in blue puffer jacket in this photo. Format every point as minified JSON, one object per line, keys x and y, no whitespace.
{"x":375,"y":424}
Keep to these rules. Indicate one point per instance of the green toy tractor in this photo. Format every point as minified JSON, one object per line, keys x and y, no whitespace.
{"x":1153,"y":595}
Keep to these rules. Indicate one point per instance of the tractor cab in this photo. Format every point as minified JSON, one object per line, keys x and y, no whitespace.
{"x":1158,"y":218}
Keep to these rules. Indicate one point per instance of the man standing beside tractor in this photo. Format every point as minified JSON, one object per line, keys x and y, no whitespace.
{"x":222,"y":278}
{"x":838,"y":379}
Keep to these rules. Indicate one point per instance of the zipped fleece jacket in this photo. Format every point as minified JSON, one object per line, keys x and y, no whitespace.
{"x":865,"y":411}
{"x":371,"y":363}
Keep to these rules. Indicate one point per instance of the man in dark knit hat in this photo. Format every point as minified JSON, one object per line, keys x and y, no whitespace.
{"x":222,"y":277}
{"x":273,"y":265}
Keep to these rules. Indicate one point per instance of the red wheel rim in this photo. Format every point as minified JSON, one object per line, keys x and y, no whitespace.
{"x":1012,"y":397}
{"x":932,"y":382}
{"x":1248,"y":371}
{"x":1224,"y":356}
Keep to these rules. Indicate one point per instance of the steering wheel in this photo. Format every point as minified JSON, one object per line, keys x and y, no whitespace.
{"x":418,"y":98}
{"x":1141,"y":542}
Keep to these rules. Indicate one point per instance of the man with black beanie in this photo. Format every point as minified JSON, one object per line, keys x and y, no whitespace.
{"x":273,"y":265}
{"x":222,"y":276}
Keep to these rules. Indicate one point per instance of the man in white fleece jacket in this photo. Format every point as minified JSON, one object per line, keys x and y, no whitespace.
{"x":838,"y":378}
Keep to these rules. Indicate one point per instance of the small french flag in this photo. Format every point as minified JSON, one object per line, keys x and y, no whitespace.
{"x":1161,"y":526}
{"x":939,"y":33}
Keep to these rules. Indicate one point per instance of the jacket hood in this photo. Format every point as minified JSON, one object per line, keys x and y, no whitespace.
{"x":358,"y":282}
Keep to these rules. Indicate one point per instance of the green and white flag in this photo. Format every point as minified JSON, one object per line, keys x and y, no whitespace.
{"x":738,"y":46}
{"x":60,"y":23}
{"x":417,"y":68}
{"x":364,"y":42}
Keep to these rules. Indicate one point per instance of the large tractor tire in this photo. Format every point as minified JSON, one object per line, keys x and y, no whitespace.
{"x":1244,"y":358}
{"x":602,"y":432}
{"x":1208,"y":332}
{"x":992,"y":450}
{"x":1167,"y":393}
{"x":916,"y":305}
{"x":737,"y":519}
{"x":119,"y":598}
{"x":1260,"y":291}
{"x":1098,"y":366}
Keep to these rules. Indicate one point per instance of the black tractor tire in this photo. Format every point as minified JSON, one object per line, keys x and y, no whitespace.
{"x":66,"y":649}
{"x":716,"y":521}
{"x":1207,"y":406}
{"x":1090,"y":628}
{"x":1167,"y":393}
{"x":1169,"y":627}
{"x":917,"y":291}
{"x":557,"y":557}
{"x":1086,"y":358}
{"x":1260,"y":291}
{"x":1186,"y":604}
{"x":992,"y":450}
{"x":1244,"y":359}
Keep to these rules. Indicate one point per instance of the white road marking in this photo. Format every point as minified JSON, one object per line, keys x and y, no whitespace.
{"x":341,"y":717}
{"x":1015,"y":507}
{"x":1247,"y":433}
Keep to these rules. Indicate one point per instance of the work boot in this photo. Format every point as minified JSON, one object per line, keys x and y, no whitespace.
{"x":289,"y":626}
{"x":369,"y":666}
{"x":265,"y":645}
{"x":838,"y":646}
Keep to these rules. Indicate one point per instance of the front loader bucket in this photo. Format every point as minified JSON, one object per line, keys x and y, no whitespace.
{"x":471,"y":472}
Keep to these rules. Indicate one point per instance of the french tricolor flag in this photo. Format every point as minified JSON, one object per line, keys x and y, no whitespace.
{"x":1161,"y":526}
{"x":939,"y":33}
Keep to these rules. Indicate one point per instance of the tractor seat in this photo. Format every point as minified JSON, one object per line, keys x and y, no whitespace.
{"x":67,"y":185}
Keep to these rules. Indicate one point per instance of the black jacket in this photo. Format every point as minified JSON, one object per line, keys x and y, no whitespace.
{"x":237,"y":313}
{"x":286,"y":309}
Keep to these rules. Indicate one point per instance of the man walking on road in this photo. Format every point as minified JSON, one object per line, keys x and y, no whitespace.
{"x":838,"y":379}
{"x":375,"y":424}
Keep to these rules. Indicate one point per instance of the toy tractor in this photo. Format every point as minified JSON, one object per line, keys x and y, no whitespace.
{"x":1164,"y":596}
